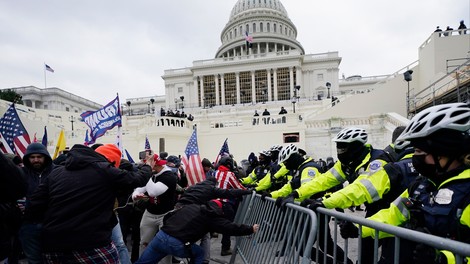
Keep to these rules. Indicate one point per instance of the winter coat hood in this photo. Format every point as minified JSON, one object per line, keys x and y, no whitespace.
{"x":37,"y":148}
{"x":81,"y":156}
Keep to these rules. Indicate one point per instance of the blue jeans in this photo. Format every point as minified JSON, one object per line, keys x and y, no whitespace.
{"x":116,"y":237}
{"x":30,"y":237}
{"x":163,"y":244}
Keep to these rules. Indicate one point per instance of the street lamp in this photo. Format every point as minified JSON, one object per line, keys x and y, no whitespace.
{"x":182,"y":102}
{"x":328,"y":86}
{"x":152,"y":101}
{"x":293,"y":100}
{"x":72,"y":120}
{"x":407,"y":76}
{"x":129,"y":106}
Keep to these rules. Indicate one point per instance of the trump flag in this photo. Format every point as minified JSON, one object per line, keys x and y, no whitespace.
{"x":103,"y":119}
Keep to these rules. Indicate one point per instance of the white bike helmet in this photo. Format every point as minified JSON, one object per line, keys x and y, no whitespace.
{"x":286,"y":152}
{"x":276,"y":148}
{"x":266,"y":153}
{"x":351,"y":134}
{"x":454,"y":116}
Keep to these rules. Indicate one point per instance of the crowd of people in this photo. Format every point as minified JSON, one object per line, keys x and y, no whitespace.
{"x":83,"y":208}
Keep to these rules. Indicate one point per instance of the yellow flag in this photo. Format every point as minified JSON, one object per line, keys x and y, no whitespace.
{"x":60,"y":144}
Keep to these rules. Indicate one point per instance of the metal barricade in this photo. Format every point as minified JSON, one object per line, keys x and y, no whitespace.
{"x":289,"y":235}
{"x":284,"y":236}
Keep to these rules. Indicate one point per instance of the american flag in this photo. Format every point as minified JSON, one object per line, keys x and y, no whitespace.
{"x":249,"y":39}
{"x":13,"y":134}
{"x":48,"y":68}
{"x":147,"y":144}
{"x":192,"y":161}
{"x":224,"y":151}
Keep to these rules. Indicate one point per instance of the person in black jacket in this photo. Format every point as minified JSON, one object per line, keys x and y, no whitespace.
{"x":201,"y":193}
{"x":12,"y":187}
{"x":75,"y":205}
{"x":183,"y":227}
{"x":37,"y":167}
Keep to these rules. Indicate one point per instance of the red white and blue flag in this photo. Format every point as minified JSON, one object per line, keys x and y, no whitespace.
{"x":13,"y":135}
{"x":224,"y":151}
{"x":192,"y":161}
{"x":249,"y":40}
{"x":147,"y":144}
{"x":48,"y":68}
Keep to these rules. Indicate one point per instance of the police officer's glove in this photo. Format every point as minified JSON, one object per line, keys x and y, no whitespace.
{"x":289,"y":199}
{"x":279,"y":202}
{"x":265,"y":194}
{"x":425,"y":254}
{"x":314,"y":204}
{"x":348,"y":230}
{"x":250,"y":186}
{"x":305,"y":203}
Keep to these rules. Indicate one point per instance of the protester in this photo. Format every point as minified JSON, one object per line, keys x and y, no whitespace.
{"x":37,"y":167}
{"x":12,"y":188}
{"x":208,"y":168}
{"x":227,"y":180}
{"x":159,"y":196}
{"x":75,"y":205}
{"x":186,"y":225}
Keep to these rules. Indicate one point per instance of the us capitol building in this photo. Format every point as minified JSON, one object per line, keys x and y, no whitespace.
{"x":261,"y":66}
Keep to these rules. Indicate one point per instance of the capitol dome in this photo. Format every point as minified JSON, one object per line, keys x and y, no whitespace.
{"x":266,"y":22}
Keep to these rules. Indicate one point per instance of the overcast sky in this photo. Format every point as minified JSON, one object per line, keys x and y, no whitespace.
{"x":102,"y":47}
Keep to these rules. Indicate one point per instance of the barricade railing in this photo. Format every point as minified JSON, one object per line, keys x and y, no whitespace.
{"x":288,"y":236}
{"x":284,"y":236}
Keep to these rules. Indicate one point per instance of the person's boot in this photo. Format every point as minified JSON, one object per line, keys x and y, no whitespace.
{"x":226,"y":252}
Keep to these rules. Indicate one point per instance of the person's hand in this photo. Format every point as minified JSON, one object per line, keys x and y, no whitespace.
{"x":316,"y":204}
{"x":348,"y":230}
{"x":265,"y":194}
{"x":424,"y":254}
{"x":255,"y":228}
{"x":139,"y":196}
{"x":306,"y":202}
{"x":287,"y":200}
{"x":279,"y":201}
{"x":313,"y":204}
{"x":149,"y":160}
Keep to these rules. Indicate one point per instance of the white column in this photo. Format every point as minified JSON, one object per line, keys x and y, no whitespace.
{"x":275,"y":84}
{"x":203,"y":100}
{"x":253,"y":88}
{"x":298,"y":79}
{"x":268,"y":71}
{"x":216,"y":80}
{"x":222,"y":85}
{"x":291,"y":78}
{"x":237,"y":77}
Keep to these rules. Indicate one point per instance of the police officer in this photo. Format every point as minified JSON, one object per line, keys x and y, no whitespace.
{"x":356,"y":161}
{"x":439,"y":202}
{"x":260,"y":171}
{"x":278,"y":174}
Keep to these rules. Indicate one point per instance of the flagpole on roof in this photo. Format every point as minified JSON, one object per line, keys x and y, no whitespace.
{"x":45,"y":80}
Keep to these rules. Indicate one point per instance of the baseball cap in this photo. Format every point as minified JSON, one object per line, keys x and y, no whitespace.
{"x":158,"y":160}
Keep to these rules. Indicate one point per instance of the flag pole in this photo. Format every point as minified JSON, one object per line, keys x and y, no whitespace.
{"x":45,"y":81}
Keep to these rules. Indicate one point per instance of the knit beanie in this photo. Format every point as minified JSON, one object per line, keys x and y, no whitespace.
{"x":111,"y":152}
